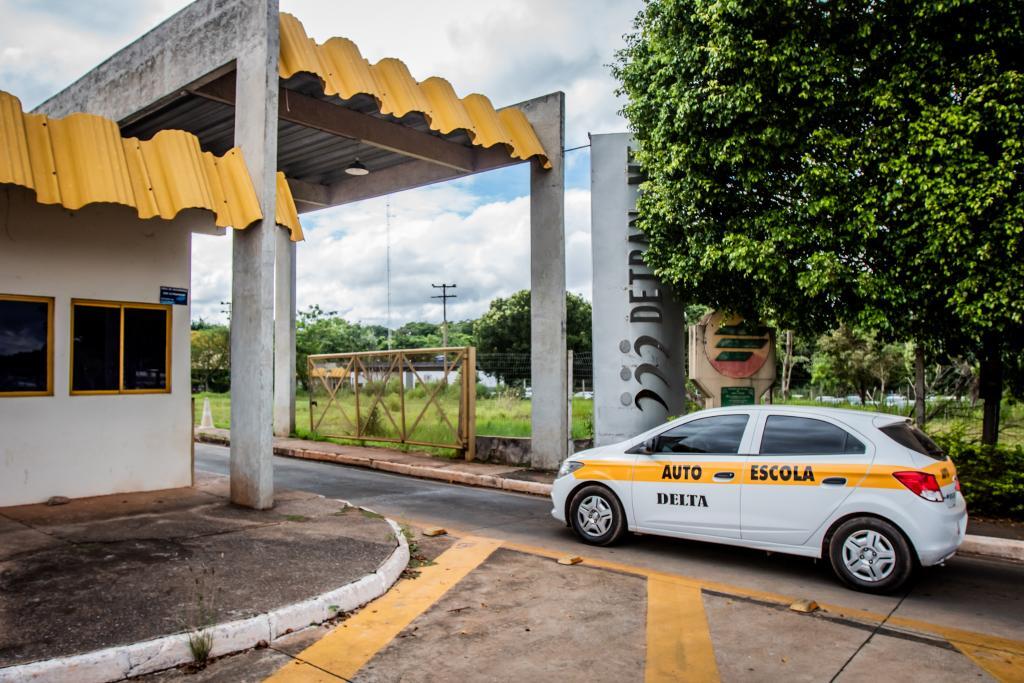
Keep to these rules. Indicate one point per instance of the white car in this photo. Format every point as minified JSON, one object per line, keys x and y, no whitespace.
{"x":871,"y":492}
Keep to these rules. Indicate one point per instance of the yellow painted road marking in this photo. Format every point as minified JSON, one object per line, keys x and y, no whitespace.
{"x":1001,"y":665}
{"x":959,"y":637}
{"x":678,"y":638}
{"x":346,"y":649}
{"x":953,"y":635}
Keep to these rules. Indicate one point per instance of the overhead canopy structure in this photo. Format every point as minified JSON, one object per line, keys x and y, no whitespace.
{"x":335,"y":108}
{"x":240,"y":73}
{"x":82,"y":159}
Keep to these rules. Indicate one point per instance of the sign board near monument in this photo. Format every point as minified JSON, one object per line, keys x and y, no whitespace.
{"x":638,"y":328}
{"x":732,"y":360}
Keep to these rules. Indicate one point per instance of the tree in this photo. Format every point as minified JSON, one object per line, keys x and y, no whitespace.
{"x":319,"y":331}
{"x":505,"y":329}
{"x":816,"y":163}
{"x":851,"y":359}
{"x":424,"y":335}
{"x":211,"y":356}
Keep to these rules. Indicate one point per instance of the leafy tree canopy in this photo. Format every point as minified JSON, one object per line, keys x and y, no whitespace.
{"x":815,"y":162}
{"x":505,"y":329}
{"x":822,"y":162}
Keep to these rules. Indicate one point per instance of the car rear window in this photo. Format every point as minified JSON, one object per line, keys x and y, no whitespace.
{"x":785,"y":435}
{"x":909,"y":436}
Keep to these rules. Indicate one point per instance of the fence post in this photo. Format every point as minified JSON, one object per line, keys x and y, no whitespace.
{"x":469,"y":372}
{"x":309,"y":392}
{"x":571,"y":445}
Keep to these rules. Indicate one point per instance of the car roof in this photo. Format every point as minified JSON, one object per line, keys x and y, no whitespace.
{"x":843,"y":414}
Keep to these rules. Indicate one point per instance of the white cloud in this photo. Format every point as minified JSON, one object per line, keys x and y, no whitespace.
{"x":342,"y":264}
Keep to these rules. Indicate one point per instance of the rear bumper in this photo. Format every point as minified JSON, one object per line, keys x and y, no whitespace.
{"x":939,"y":540}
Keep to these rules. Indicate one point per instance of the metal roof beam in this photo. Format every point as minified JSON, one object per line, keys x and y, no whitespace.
{"x":309,"y":196}
{"x":412,"y":174}
{"x":338,"y":120}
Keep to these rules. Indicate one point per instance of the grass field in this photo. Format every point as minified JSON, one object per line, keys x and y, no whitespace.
{"x":510,"y":416}
{"x":497,"y":416}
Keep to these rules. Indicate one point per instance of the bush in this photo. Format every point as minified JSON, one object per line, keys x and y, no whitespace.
{"x":991,"y":477}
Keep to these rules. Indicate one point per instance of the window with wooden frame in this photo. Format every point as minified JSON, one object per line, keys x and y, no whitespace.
{"x":26,"y":345}
{"x":120,"y":348}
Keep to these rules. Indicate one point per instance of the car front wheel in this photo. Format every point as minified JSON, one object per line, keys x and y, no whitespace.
{"x":871,"y":555}
{"x":597,"y":516}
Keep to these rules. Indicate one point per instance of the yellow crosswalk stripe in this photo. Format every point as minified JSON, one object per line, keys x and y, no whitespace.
{"x":678,"y":638}
{"x":1004,"y":666}
{"x":346,"y":649}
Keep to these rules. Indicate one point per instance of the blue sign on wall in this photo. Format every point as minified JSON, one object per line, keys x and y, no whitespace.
{"x":174,"y":295}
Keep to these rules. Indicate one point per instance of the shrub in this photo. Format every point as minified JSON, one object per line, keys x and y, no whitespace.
{"x":991,"y":477}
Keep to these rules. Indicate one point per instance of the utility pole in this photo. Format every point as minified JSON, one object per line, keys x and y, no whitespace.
{"x":444,"y":296}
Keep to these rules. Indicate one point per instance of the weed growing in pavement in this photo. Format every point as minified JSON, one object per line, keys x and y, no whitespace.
{"x":297,"y":518}
{"x":200,"y":614}
{"x":416,"y":558}
{"x":200,"y":644}
{"x":370,"y":514}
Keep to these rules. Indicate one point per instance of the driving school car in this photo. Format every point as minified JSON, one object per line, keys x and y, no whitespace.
{"x":871,"y":492}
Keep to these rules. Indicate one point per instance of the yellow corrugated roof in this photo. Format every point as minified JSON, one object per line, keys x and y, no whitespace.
{"x":286,"y":215}
{"x":345,"y":73}
{"x":82,"y":159}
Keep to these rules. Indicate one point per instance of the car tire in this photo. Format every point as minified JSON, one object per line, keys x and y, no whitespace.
{"x":597,"y":516}
{"x":871,"y":555}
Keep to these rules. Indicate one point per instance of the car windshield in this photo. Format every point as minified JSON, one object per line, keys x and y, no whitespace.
{"x":908,"y":435}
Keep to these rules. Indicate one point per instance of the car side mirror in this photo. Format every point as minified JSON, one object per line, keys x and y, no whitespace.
{"x":651,"y":445}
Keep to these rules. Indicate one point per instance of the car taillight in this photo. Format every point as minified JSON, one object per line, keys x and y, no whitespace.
{"x":921,"y":483}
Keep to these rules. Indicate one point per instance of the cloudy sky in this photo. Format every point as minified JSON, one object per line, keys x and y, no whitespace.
{"x":473,"y":231}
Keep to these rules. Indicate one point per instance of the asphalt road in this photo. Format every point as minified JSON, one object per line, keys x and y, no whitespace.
{"x":967,"y":593}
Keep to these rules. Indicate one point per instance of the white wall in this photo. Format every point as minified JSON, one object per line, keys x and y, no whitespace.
{"x":75,"y":446}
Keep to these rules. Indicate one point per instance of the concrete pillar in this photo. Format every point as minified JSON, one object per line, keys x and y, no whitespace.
{"x":252,"y":262}
{"x":548,"y":368}
{"x":284,"y":335}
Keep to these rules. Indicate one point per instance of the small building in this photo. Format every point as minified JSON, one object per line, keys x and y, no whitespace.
{"x":95,"y":266}
{"x":239,"y":74}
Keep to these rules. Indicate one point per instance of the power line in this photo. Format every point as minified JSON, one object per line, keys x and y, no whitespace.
{"x":444,"y":296}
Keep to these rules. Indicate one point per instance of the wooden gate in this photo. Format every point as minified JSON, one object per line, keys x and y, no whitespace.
{"x":419,"y":397}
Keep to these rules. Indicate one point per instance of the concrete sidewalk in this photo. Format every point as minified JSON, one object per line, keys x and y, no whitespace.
{"x":102,"y":588}
{"x":420,"y":465}
{"x":984,"y":539}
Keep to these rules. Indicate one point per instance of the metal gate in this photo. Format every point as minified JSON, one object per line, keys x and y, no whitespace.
{"x":418,"y":397}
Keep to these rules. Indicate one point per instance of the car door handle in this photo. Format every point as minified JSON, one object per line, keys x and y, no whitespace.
{"x":833,"y":481}
{"x":724,"y":476}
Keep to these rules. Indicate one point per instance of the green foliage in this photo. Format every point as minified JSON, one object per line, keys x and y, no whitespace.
{"x":505,"y":328}
{"x":811,"y":162}
{"x":319,"y":331}
{"x":850,"y":359}
{"x":991,"y":477}
{"x":424,"y":335}
{"x":816,"y":163}
{"x":211,"y":357}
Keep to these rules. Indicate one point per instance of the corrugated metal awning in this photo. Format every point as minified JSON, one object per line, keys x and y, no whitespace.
{"x":82,"y":159}
{"x":346,"y":74}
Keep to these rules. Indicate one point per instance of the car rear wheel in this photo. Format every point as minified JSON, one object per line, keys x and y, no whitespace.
{"x":871,"y":555}
{"x":597,"y":516}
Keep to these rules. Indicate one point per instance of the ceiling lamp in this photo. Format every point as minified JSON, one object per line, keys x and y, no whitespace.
{"x":357,"y":168}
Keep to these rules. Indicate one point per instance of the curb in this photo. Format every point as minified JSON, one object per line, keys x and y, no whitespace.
{"x":990,"y":546}
{"x":535,"y":488}
{"x":149,"y":656}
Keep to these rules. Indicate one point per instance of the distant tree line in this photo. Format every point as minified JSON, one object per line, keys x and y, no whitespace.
{"x":503,"y":329}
